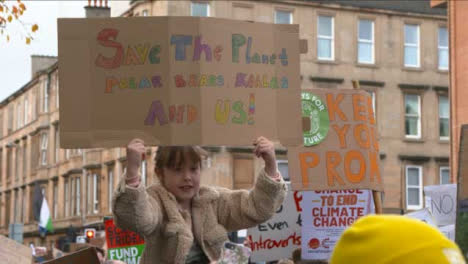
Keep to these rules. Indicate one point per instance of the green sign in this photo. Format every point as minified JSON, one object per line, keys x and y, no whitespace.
{"x":315,"y":122}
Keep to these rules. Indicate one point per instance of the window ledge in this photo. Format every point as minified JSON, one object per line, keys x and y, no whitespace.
{"x":414,"y":140}
{"x":413,"y":69}
{"x":367,"y":65}
{"x":443,"y":71}
{"x":330,"y":62}
{"x":444,"y":141}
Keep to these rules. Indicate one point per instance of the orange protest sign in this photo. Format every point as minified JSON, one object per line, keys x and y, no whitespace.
{"x":341,"y":149}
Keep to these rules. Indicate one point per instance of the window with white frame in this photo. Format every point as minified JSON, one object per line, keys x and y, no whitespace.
{"x":443,"y":49}
{"x":55,"y":202}
{"x":110,"y":186}
{"x":78,"y":196}
{"x":25,"y":160}
{"x":444,"y":175}
{"x":18,"y":161}
{"x":200,"y":9}
{"x":57,"y":144}
{"x":72,"y":195}
{"x":413,"y":116}
{"x":66,"y":192}
{"x":366,"y":41}
{"x":444,"y":116}
{"x":57,"y":90}
{"x":26,"y":105}
{"x":414,"y":187}
{"x":283,"y":17}
{"x":18,"y":116}
{"x":143,"y":172}
{"x":412,"y":52}
{"x":93,"y":193}
{"x":325,"y":38}
{"x":372,"y":94}
{"x":45,"y":96}
{"x":44,"y":141}
{"x":283,"y":169}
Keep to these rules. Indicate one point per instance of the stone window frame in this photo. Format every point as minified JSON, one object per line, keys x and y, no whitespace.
{"x":420,"y":186}
{"x":419,"y":46}
{"x":333,"y":37}
{"x":374,"y":40}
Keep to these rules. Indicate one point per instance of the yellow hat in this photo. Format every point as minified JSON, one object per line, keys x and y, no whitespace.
{"x":389,"y":239}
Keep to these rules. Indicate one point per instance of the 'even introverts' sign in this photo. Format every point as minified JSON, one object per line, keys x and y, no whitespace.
{"x":341,"y":148}
{"x":177,"y":80}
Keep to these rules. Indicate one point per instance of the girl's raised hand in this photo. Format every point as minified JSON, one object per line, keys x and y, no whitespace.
{"x":135,"y":152}
{"x":265,"y":149}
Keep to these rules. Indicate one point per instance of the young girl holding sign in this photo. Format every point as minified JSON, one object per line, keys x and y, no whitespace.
{"x":183,"y":222}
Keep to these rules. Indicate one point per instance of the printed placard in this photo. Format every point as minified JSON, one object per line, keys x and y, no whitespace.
{"x":123,"y":245}
{"x":326,"y":215}
{"x":177,"y":81}
{"x":278,"y":237}
{"x":341,"y":148}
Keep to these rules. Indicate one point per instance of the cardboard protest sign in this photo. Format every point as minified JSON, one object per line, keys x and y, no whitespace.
{"x":424,"y":215}
{"x":441,"y":200}
{"x":177,"y":81}
{"x":340,"y":149}
{"x":88,"y":256}
{"x":448,"y":231}
{"x":123,"y":245}
{"x":461,"y":226}
{"x":278,"y":237}
{"x":326,"y":215}
{"x":12,"y":252}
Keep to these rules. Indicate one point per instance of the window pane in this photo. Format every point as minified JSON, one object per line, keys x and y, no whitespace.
{"x":325,"y":26}
{"x":443,"y":106}
{"x":413,"y":176}
{"x":444,"y":127}
{"x":283,"y":17}
{"x":443,"y":37}
{"x":413,"y":196}
{"x":444,"y":176}
{"x":200,"y":9}
{"x":412,"y":104}
{"x":324,"y":48}
{"x":411,"y":34}
{"x":443,"y":58}
{"x":365,"y":29}
{"x":283,"y":169}
{"x":365,"y":52}
{"x":411,"y":56}
{"x":411,"y":126}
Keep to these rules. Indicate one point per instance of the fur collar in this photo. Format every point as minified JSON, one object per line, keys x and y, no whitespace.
{"x":205,"y":195}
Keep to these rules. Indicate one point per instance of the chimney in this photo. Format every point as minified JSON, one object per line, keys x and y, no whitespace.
{"x":97,"y":8}
{"x":39,"y":63}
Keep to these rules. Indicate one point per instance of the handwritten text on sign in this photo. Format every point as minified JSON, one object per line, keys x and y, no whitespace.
{"x":142,"y":54}
{"x":349,"y":156}
{"x":278,"y":237}
{"x":215,"y":81}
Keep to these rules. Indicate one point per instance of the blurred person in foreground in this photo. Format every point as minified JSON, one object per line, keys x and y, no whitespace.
{"x":394,"y":239}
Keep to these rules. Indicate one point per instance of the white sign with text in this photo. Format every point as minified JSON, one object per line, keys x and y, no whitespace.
{"x":326,"y":215}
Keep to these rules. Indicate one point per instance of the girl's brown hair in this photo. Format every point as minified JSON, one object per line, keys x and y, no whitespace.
{"x":175,"y":156}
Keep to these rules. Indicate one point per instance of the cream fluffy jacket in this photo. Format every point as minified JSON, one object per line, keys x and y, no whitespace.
{"x":153,"y":213}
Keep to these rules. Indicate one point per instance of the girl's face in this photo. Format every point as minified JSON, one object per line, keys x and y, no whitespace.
{"x":183,"y":182}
